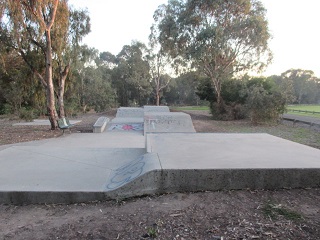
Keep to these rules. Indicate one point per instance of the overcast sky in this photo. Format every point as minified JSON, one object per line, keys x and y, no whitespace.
{"x":294,"y":24}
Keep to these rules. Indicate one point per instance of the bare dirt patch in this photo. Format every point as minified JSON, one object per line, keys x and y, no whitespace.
{"x":282,"y":214}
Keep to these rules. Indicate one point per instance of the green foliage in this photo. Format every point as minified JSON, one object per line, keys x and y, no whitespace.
{"x":231,"y":93}
{"x":264,"y":105}
{"x":130,"y":77}
{"x":98,"y":93}
{"x":257,"y":98}
{"x":273,"y":211}
{"x":26,"y":114}
{"x":219,"y":38}
{"x":152,"y":232}
{"x":304,"y":86}
{"x":5,"y":109}
{"x":182,"y":90}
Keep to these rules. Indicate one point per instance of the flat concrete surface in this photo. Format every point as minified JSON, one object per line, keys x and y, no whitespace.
{"x":127,"y":120}
{"x":168,"y":122}
{"x":85,"y":166}
{"x":307,"y":119}
{"x":230,"y":151}
{"x":44,"y":122}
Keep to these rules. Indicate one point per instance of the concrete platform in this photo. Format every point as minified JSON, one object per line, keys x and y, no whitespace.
{"x":86,"y":167}
{"x":41,"y":122}
{"x":167,"y":122}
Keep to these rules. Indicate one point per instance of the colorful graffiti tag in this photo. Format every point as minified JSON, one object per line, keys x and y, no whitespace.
{"x":127,"y":127}
{"x":126,"y":173}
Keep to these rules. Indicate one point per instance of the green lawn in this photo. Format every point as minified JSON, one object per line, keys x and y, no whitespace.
{"x":204,"y":108}
{"x":311,"y":108}
{"x":315,"y":108}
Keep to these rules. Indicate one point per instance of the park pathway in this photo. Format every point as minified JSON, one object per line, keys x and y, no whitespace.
{"x":312,"y":121}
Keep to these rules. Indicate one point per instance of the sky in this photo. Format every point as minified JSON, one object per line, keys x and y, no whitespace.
{"x":294,"y":25}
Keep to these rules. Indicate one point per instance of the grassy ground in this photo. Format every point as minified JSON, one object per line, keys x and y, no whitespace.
{"x":294,"y":109}
{"x":291,"y":108}
{"x":186,"y":108}
{"x":315,"y":108}
{"x":301,"y":135}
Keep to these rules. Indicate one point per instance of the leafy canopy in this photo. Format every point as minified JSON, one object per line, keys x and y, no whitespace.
{"x":218,"y":37}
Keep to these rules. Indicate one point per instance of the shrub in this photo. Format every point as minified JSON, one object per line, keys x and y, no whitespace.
{"x":26,"y":114}
{"x":263,"y":105}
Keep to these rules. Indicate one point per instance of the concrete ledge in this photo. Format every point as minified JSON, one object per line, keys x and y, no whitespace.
{"x":130,"y":112}
{"x":159,"y":181}
{"x":156,"y":109}
{"x":127,"y":120}
{"x":168,"y":122}
{"x":100,"y":124}
{"x":236,"y":179}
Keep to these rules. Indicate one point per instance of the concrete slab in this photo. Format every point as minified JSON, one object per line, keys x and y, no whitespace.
{"x":41,"y":122}
{"x":86,"y":167}
{"x":230,"y":151}
{"x":169,"y":122}
{"x":55,"y":169}
{"x":127,"y":120}
{"x":100,"y":125}
{"x":130,"y":112}
{"x":107,"y":139}
{"x":156,"y":109}
{"x":197,"y":162}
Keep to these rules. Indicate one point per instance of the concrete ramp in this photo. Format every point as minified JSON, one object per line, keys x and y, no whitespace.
{"x":156,"y":109}
{"x":170,"y":157}
{"x":168,"y":122}
{"x":137,"y":177}
{"x":198,"y":162}
{"x":130,"y":112}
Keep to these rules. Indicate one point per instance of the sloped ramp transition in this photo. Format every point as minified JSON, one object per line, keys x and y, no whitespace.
{"x":138,"y":177}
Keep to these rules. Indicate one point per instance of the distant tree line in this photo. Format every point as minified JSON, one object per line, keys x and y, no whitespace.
{"x":198,"y":54}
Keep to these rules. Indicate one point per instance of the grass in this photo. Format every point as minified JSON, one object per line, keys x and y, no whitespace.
{"x":301,"y":135}
{"x":273,"y":211}
{"x":311,"y":108}
{"x":202,"y":108}
{"x":315,"y":108}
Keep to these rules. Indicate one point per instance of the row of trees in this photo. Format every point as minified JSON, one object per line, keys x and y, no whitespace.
{"x":209,"y":45}
{"x":44,"y":35}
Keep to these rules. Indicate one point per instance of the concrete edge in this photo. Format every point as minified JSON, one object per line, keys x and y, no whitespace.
{"x":100,"y":124}
{"x":159,"y":181}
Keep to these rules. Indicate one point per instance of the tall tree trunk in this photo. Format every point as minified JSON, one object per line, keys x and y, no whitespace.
{"x":51,"y":108}
{"x":62,"y":82}
{"x":158,"y":99}
{"x":217,"y":88}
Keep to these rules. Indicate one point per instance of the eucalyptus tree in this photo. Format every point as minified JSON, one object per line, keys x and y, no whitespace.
{"x":159,"y":78}
{"x":306,"y":86}
{"x":159,"y":63}
{"x":218,"y":37}
{"x":34,"y":28}
{"x":131,"y":75}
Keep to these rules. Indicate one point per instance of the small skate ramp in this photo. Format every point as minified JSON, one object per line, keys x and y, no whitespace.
{"x":209,"y":161}
{"x":156,"y":109}
{"x":137,"y":177}
{"x":130,"y":112}
{"x":167,"y":122}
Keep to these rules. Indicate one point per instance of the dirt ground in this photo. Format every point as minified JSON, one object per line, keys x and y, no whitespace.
{"x":245,"y":214}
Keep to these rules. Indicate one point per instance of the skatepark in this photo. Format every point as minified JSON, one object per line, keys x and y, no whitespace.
{"x":150,"y":150}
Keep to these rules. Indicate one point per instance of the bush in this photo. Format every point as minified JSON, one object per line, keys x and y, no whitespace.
{"x":6,"y":109}
{"x":26,"y":114}
{"x":233,"y":111}
{"x":263,"y":105}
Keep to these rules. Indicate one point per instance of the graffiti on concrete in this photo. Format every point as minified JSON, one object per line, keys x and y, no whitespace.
{"x":127,"y":127}
{"x":126,"y":173}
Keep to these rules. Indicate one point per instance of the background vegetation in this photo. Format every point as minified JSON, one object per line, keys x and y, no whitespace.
{"x":143,"y":74}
